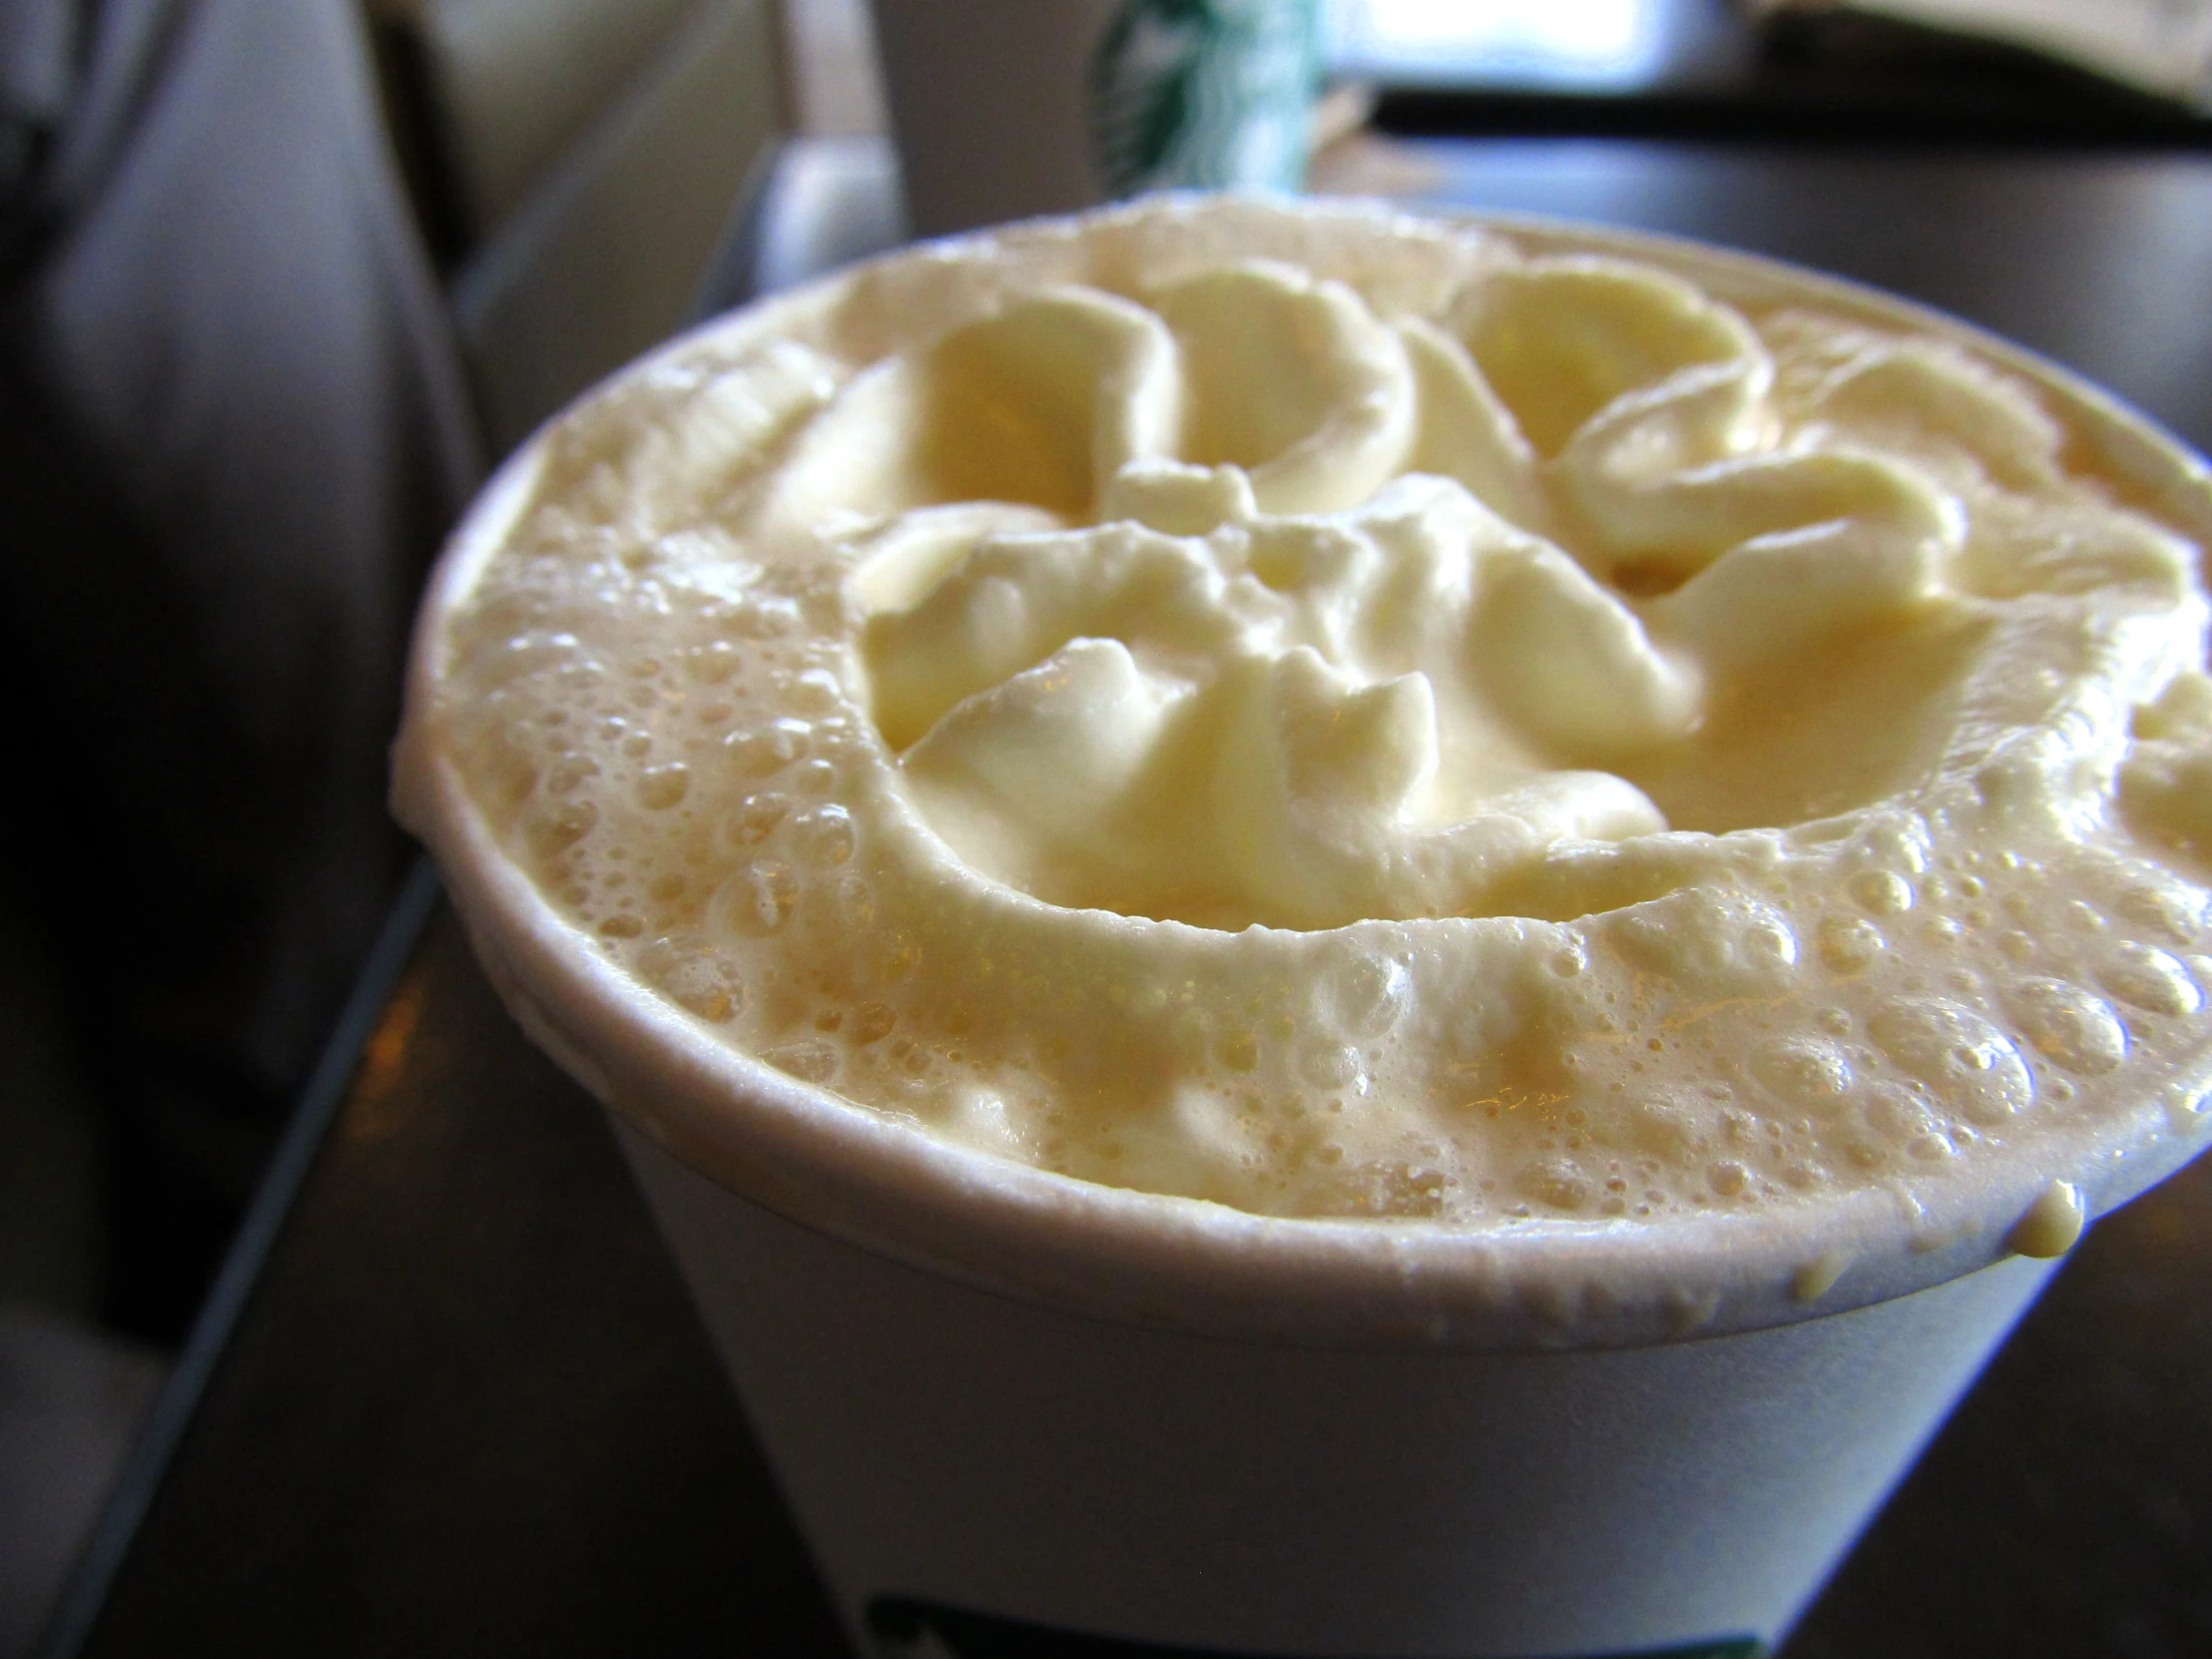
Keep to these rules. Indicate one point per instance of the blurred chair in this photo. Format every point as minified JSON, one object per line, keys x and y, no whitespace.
{"x":232,"y":427}
{"x":587,"y":157}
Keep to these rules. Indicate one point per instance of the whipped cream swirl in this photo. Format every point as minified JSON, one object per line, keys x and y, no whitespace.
{"x":1342,"y":715}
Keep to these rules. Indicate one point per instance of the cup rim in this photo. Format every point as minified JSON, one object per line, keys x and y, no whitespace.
{"x":1192,"y":1264}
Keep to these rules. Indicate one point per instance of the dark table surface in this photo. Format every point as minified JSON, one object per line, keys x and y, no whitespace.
{"x":452,"y":1399}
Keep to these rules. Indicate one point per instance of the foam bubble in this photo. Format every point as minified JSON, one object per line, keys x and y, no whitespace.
{"x":686,"y":969}
{"x":2068,"y":1026}
{"x":1333,"y":1065}
{"x":756,"y":754}
{"x":757,"y":817}
{"x":559,"y":825}
{"x":1559,"y":1183}
{"x":2148,"y":978}
{"x":759,"y":899}
{"x":825,"y":837}
{"x":1849,"y":944}
{"x":1969,"y":1063}
{"x":1883,"y":891}
{"x":1727,"y":943}
{"x":663,"y":786}
{"x":1804,"y":1072}
{"x":1369,"y":995}
{"x":1727,"y":1177}
{"x":2172,"y":909}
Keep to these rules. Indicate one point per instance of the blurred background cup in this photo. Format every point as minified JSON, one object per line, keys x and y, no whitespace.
{"x":1006,"y":109}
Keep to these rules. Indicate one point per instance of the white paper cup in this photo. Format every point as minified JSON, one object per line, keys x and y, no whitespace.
{"x":1005,"y":109}
{"x":964,"y":1461}
{"x":1006,"y":1404}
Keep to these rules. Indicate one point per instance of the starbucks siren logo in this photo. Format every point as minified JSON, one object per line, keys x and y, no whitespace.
{"x":1203,"y":94}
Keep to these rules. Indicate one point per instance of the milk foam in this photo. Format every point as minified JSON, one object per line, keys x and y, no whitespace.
{"x":1346,"y":716}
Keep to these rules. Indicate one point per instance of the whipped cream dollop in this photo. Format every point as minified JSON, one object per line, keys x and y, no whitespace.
{"x":1344,"y":715}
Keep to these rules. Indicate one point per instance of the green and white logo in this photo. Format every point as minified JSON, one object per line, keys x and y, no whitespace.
{"x":1203,"y":94}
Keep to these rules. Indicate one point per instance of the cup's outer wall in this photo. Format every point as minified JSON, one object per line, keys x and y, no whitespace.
{"x":950,"y":1446}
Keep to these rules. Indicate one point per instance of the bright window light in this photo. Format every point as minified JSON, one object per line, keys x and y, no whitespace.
{"x":1567,"y":44}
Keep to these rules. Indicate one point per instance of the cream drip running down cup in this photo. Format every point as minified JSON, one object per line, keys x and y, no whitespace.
{"x":1326,"y":934}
